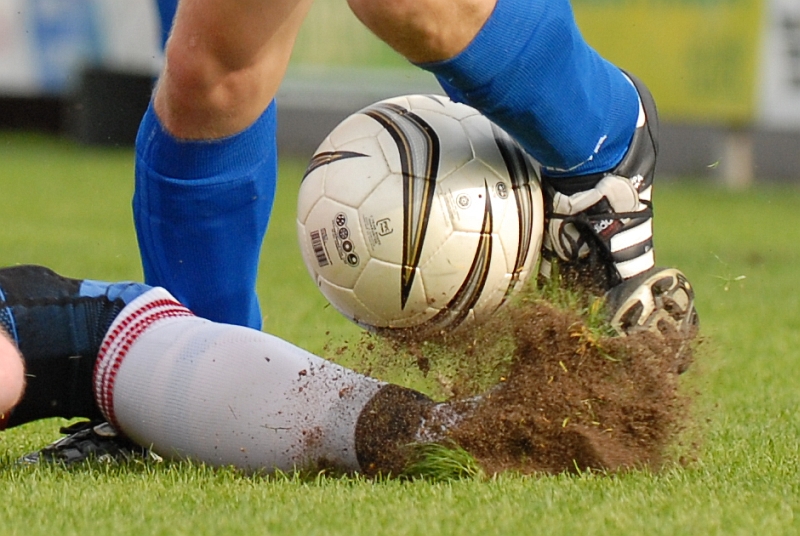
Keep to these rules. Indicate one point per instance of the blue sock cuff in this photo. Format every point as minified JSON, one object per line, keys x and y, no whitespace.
{"x":530,"y":71}
{"x":234,"y":155}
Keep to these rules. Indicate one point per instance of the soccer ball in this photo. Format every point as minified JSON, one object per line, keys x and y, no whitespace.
{"x":418,"y":212}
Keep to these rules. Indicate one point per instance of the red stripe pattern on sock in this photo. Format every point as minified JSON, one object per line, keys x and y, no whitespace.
{"x":119,"y":340}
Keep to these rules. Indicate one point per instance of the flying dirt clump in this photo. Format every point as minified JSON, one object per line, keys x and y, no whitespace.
{"x":576,"y":400}
{"x":554,"y":394}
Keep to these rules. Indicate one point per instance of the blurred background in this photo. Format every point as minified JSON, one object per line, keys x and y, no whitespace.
{"x":725,"y":74}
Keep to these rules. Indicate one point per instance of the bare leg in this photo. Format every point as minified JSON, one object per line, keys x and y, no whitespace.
{"x":224,"y":63}
{"x":206,"y":164}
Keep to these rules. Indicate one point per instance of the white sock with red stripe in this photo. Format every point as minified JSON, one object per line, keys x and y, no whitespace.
{"x":225,"y":395}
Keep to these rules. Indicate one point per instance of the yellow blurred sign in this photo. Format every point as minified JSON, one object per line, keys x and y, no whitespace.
{"x":699,"y":57}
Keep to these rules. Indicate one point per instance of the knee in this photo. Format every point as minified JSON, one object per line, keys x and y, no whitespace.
{"x":197,"y":80}
{"x":12,"y":375}
{"x":204,"y":93}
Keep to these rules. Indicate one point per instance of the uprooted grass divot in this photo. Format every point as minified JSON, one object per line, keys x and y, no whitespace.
{"x":560,"y":392}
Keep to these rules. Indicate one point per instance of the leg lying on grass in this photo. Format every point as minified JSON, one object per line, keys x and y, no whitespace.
{"x":229,"y":395}
{"x":192,"y":388}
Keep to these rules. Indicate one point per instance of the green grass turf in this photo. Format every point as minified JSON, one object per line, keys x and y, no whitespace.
{"x":68,"y":207}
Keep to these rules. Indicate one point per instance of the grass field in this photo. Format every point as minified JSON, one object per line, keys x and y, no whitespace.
{"x":69,"y":208}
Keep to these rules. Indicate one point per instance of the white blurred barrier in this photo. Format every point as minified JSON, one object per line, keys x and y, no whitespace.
{"x":780,"y":78}
{"x":44,"y":43}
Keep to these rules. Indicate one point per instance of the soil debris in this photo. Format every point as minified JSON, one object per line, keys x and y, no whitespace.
{"x":556,"y":393}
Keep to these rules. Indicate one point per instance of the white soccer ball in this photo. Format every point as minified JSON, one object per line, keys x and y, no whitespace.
{"x":418,"y":212}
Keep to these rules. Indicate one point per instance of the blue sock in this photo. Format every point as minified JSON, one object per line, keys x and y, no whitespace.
{"x":531,"y":72}
{"x":201,"y":209}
